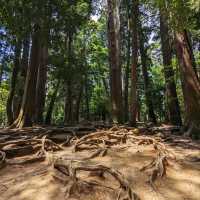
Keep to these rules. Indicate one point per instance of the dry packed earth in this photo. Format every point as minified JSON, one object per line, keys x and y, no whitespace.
{"x":105,"y":171}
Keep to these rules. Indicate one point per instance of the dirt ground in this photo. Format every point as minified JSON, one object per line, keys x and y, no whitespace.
{"x":182,"y":181}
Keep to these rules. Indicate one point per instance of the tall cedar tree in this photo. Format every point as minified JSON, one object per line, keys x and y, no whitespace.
{"x":128,"y":61}
{"x":41,"y":85}
{"x":69,"y":118}
{"x":134,"y":103}
{"x":190,"y":84}
{"x":114,"y":60}
{"x":16,"y":68}
{"x":147,"y":86}
{"x":174,"y":114}
{"x":190,"y":81}
{"x":26,"y":114}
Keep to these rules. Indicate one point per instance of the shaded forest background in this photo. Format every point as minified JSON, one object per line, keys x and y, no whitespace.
{"x":62,"y":62}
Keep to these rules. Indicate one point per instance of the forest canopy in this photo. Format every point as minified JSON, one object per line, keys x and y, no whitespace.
{"x":116,"y":61}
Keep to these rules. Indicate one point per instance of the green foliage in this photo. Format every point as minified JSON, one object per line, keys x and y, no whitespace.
{"x":4,"y":89}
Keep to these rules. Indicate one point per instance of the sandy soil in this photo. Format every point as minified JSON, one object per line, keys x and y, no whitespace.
{"x":182,"y":182}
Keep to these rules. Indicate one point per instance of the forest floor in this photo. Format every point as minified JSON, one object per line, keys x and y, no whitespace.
{"x":109,"y":163}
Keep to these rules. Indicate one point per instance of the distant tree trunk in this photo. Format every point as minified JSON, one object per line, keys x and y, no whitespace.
{"x":68,"y":104}
{"x":134,"y":104}
{"x":114,"y":59}
{"x":16,"y":66}
{"x":69,"y":118}
{"x":147,"y":86}
{"x":127,"y":69}
{"x":25,"y":117}
{"x":105,"y":84}
{"x":190,"y":84}
{"x":78,"y":101}
{"x":172,"y":99}
{"x":1,"y":71}
{"x":51,"y":104}
{"x":41,"y":85}
{"x":87,"y":101}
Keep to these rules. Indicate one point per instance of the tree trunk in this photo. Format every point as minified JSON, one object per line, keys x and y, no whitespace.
{"x":189,"y":40}
{"x":127,"y":69}
{"x":10,"y":102}
{"x":114,"y":60}
{"x":68,"y":118}
{"x":147,"y":86}
{"x":25,"y":117}
{"x":51,"y":104}
{"x":174,"y":114}
{"x":23,"y":72}
{"x":41,"y":85}
{"x":1,"y":71}
{"x":135,"y":13}
{"x":25,"y":57}
{"x":87,"y":101}
{"x":68,"y":105}
{"x":190,"y":84}
{"x":78,"y":102}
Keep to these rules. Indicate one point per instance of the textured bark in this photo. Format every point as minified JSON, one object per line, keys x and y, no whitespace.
{"x":69,"y":118}
{"x":25,"y":57}
{"x":127,"y":69}
{"x":69,"y":105}
{"x":87,"y":101}
{"x":51,"y":104}
{"x":27,"y":110}
{"x":189,"y":40}
{"x":174,"y":115}
{"x":23,"y":72}
{"x":78,"y":102}
{"x":134,"y":109}
{"x":114,"y":60}
{"x":190,"y":84}
{"x":16,"y":67}
{"x":41,"y":85}
{"x":147,"y":86}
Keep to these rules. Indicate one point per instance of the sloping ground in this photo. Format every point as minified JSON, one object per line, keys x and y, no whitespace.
{"x":38,"y":181}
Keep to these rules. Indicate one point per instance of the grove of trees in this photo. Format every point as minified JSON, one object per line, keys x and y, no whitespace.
{"x":120,"y":61}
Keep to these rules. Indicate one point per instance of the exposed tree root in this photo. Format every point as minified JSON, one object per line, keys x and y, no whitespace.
{"x":158,"y":166}
{"x":28,"y":141}
{"x":2,"y":159}
{"x":112,"y":137}
{"x":18,"y":148}
{"x":70,"y":169}
{"x":17,"y":151}
{"x":27,"y":160}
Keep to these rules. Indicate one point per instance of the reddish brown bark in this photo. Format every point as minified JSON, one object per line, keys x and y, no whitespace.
{"x":41,"y":85}
{"x":173,"y":108}
{"x":114,"y":60}
{"x":190,"y":84}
